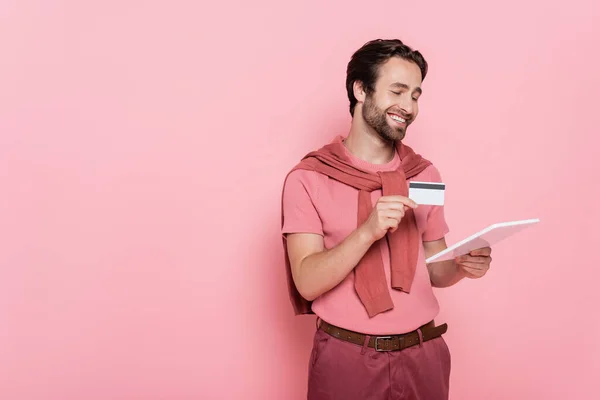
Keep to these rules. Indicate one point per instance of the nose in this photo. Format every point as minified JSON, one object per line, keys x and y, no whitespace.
{"x":406,"y":104}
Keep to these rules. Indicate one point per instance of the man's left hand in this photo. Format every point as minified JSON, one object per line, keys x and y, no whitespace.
{"x":476,"y":263}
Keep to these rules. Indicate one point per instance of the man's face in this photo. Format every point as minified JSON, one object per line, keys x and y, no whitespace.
{"x":393,"y":106}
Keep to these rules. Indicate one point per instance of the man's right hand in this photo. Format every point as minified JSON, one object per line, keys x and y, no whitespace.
{"x":386,"y":216}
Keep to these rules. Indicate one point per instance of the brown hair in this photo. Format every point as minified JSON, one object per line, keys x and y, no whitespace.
{"x":365,"y":62}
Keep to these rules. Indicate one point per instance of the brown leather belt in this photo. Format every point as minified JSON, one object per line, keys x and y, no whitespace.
{"x":386,"y":343}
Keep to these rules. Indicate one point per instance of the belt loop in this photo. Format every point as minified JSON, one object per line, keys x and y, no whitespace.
{"x":365,"y":344}
{"x":420,"y":338}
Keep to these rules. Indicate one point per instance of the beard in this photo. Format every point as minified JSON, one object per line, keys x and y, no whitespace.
{"x":377,"y":119}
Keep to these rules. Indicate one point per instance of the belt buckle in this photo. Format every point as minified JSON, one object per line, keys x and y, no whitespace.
{"x":377,"y":341}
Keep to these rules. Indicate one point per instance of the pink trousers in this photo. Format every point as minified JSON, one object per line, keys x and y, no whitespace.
{"x":344,"y":371}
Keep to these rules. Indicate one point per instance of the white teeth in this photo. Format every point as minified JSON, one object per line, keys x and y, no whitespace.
{"x":395,"y":118}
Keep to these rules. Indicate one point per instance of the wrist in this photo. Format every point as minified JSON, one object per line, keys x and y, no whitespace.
{"x":365,"y":236}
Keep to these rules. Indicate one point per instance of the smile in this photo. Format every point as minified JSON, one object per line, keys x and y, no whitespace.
{"x":397,"y":118}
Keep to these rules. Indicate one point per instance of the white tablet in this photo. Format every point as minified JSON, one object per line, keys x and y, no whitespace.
{"x":484,"y":238}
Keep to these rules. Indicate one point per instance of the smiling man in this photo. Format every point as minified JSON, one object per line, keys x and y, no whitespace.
{"x":355,"y":244}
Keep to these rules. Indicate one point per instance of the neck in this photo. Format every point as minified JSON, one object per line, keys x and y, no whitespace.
{"x":366,"y":144}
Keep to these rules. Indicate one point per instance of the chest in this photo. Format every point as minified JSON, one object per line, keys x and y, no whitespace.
{"x":337,"y":205}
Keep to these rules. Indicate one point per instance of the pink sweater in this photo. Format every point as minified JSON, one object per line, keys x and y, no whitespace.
{"x":370,"y":278}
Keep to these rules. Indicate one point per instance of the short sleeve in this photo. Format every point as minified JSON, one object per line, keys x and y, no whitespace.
{"x":436,"y":227}
{"x":299,"y":212}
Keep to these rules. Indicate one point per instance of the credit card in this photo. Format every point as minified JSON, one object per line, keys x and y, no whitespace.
{"x":427,"y":193}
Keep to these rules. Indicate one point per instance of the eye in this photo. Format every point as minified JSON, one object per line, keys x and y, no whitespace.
{"x":396,"y":93}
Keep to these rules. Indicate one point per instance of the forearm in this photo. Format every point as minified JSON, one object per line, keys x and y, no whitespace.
{"x":321,"y":272}
{"x":444,"y":273}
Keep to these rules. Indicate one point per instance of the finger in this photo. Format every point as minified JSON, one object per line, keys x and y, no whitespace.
{"x":473,"y":266}
{"x":396,"y":214}
{"x":477,"y":260}
{"x":472,"y":272}
{"x":393,"y":205}
{"x":406,"y":201}
{"x":485,"y":251}
{"x":392,"y":224}
{"x":398,"y":199}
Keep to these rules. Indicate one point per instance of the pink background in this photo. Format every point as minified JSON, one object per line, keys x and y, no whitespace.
{"x":143,"y":146}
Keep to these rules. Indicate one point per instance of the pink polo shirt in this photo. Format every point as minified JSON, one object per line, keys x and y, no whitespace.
{"x":315,"y":203}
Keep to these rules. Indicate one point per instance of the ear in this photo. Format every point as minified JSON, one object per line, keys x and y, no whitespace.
{"x":359,"y":91}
